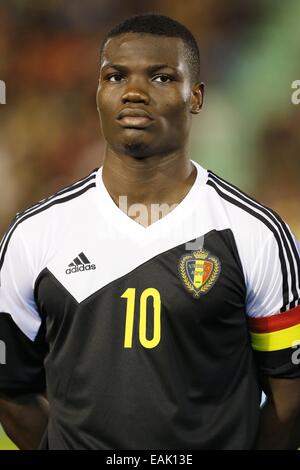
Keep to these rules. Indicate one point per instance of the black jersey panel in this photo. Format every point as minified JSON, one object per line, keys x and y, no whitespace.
{"x":150,"y":361}
{"x":22,"y":360}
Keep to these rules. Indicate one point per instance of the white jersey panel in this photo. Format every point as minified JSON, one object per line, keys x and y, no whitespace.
{"x":268,"y":251}
{"x":16,"y":290}
{"x":87,"y":242}
{"x":114,"y":246}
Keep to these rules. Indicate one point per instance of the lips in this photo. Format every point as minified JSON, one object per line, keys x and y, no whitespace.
{"x":136,"y":118}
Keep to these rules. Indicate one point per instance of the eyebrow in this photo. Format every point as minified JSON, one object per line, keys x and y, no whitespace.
{"x":150,"y":68}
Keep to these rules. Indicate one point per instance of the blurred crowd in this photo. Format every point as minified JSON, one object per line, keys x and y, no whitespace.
{"x":49,"y":60}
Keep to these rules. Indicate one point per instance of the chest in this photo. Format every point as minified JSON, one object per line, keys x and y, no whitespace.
{"x":199,"y":292}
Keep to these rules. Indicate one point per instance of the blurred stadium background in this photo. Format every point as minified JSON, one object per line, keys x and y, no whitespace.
{"x":248,"y":131}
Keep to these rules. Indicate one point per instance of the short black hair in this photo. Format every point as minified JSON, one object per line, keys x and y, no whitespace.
{"x":162,"y":26}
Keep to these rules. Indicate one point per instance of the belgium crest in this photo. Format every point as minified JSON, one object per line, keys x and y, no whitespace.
{"x":199,"y":271}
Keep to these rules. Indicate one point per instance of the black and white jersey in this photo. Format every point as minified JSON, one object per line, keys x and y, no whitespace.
{"x":149,"y":338}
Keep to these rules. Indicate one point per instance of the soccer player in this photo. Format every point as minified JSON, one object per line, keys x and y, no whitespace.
{"x":147,"y":305}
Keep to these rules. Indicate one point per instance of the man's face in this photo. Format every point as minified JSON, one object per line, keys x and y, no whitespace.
{"x":145,"y":96}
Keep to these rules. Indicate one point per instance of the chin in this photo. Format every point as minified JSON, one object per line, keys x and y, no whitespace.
{"x":137,"y":149}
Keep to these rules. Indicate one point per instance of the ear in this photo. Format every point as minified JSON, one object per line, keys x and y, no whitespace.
{"x":197,"y":98}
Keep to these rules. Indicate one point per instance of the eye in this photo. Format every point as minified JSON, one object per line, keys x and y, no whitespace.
{"x":163,"y":78}
{"x":116,"y":78}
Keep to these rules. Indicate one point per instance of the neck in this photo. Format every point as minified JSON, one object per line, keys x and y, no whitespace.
{"x":151,"y":180}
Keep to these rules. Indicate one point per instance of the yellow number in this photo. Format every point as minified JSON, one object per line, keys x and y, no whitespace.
{"x":150,"y":292}
{"x":129,"y":294}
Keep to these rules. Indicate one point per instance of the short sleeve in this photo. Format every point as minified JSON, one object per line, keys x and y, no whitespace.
{"x":273,"y":305}
{"x":22,"y":339}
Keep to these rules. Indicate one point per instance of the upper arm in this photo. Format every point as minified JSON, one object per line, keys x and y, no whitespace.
{"x":273,"y":305}
{"x":21,"y":327}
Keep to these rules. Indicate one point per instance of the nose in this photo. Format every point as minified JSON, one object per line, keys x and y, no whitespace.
{"x":135,"y":94}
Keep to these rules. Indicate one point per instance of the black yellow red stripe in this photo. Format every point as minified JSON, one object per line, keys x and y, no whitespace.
{"x":276,"y":332}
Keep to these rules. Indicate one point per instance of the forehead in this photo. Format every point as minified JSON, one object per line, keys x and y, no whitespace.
{"x":132,"y":49}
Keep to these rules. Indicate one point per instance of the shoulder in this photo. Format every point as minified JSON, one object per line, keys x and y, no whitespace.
{"x":40,"y":222}
{"x":248,"y":216}
{"x":64,"y":198}
{"x":268,"y":249}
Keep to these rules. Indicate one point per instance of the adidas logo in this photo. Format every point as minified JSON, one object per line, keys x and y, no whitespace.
{"x":80,"y":263}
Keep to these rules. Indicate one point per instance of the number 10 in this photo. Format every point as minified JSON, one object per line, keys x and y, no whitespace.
{"x":130,"y":295}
